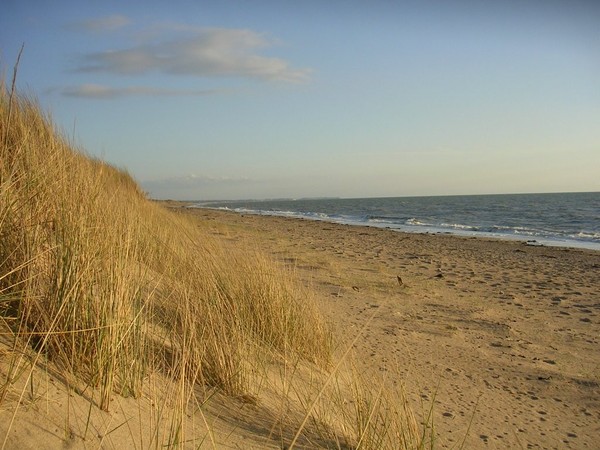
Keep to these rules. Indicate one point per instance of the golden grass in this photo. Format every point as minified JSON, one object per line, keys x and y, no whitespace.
{"x":112,"y":290}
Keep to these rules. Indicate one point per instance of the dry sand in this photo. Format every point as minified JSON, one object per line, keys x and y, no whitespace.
{"x":500,"y":337}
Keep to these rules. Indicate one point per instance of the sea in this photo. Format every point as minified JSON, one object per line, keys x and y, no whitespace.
{"x":558,"y":219}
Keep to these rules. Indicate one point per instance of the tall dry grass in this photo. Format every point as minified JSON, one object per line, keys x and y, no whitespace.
{"x":110,"y":288}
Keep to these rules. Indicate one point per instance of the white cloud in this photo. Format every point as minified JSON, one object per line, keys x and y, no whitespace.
{"x":101,"y":24}
{"x":202,"y":52}
{"x":98,"y":91}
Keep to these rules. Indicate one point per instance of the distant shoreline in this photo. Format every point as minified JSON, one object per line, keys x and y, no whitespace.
{"x":417,"y":229}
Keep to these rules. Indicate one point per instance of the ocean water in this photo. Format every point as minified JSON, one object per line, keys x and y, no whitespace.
{"x":569,"y":219}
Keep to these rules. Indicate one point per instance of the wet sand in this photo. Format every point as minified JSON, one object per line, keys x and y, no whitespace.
{"x":500,"y":337}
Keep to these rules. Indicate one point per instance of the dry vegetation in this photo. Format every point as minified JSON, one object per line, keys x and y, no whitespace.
{"x":116,"y":297}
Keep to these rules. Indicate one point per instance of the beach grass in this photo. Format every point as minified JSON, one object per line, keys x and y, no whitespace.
{"x":117,"y":297}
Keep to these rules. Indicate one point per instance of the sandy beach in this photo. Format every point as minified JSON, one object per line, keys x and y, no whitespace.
{"x":499,"y":338}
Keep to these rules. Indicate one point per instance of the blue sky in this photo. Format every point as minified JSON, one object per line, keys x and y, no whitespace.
{"x":264,"y":99}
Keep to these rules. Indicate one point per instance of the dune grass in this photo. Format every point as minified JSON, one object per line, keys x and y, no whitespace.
{"x":110,"y":289}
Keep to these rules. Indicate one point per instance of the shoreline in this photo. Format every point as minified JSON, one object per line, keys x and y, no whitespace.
{"x":535,"y":241}
{"x":498,"y":336}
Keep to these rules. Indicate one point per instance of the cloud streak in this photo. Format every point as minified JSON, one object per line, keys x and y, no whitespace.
{"x":98,"y":91}
{"x":193,"y":180}
{"x":203,"y":52}
{"x":102,"y":24}
{"x":198,"y":186}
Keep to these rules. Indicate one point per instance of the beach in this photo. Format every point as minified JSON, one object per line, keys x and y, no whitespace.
{"x":496,"y":341}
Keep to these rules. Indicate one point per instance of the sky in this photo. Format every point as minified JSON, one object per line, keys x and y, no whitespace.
{"x":207,"y":100}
